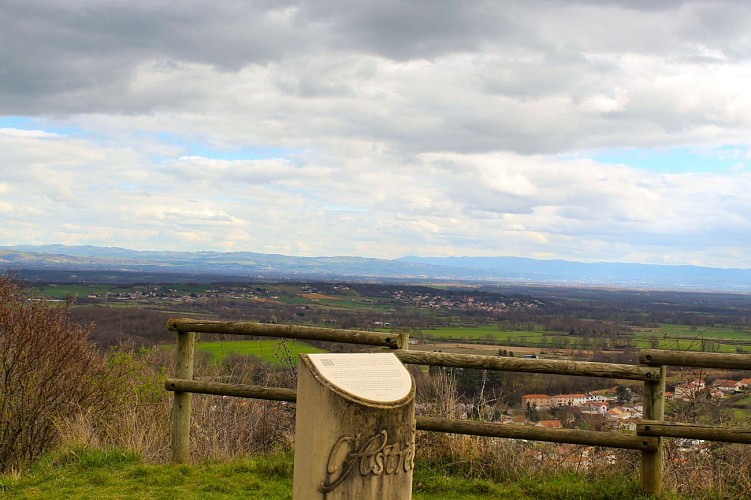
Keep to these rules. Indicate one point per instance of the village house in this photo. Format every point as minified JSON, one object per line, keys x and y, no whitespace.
{"x":568,"y":399}
{"x":606,"y":394}
{"x":689,"y":391}
{"x":716,"y":394}
{"x":618,"y":413}
{"x":536,"y":401}
{"x":635,"y":412}
{"x":595,"y":398}
{"x":549,"y":424}
{"x":726,"y":386}
{"x":589,"y":410}
{"x":595,"y":408}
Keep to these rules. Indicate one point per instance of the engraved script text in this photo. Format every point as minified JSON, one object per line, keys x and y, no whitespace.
{"x":370,"y":456}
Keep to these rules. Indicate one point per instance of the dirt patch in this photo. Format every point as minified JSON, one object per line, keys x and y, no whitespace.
{"x":318,"y":296}
{"x":487,"y":349}
{"x":268,"y":301}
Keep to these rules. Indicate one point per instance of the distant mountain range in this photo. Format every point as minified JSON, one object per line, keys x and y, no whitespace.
{"x":250,"y":265}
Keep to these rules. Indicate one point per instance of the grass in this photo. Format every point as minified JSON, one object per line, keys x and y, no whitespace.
{"x":83,"y":473}
{"x":268,"y":350}
{"x":430,"y":484}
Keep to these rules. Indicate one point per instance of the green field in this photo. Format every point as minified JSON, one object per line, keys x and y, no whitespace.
{"x":685,"y":337}
{"x":686,"y":331}
{"x":486,"y":332}
{"x":677,"y":337}
{"x":74,"y":291}
{"x":270,"y":351}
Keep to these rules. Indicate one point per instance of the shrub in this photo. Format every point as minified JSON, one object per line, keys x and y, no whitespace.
{"x":48,"y":371}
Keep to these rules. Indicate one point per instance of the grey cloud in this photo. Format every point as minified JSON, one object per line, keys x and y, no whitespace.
{"x":417,"y":29}
{"x":58,"y":50}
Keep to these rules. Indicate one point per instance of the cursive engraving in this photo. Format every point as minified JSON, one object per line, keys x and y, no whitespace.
{"x":370,"y":456}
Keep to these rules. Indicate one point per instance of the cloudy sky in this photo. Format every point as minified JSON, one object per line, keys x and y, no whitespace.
{"x":589,"y":131}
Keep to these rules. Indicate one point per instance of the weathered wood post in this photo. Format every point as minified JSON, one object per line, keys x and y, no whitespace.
{"x":654,"y":409}
{"x":181,"y":405}
{"x":402,"y":342}
{"x":355,"y":428}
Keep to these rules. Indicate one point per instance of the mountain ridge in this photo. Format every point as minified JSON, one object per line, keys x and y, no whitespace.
{"x":501,"y":269}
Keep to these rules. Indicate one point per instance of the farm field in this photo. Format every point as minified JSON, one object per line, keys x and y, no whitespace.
{"x":688,"y":332}
{"x":684,"y":337}
{"x":329,"y":301}
{"x":485,"y":332}
{"x":481,"y":349}
{"x":64,"y":291}
{"x":667,"y":336}
{"x":271,"y":351}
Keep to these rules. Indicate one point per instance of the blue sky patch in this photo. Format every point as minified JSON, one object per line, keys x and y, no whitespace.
{"x":676,"y":160}
{"x":244,"y":153}
{"x":29,"y":123}
{"x":189,"y":148}
{"x":226,"y":154}
{"x":20,"y":122}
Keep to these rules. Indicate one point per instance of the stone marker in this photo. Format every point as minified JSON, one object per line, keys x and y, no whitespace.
{"x":355,"y":429}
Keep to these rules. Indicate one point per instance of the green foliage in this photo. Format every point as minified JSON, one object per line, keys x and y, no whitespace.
{"x":144,"y":384}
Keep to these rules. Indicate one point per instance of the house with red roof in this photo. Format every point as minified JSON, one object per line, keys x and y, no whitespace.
{"x":536,"y":401}
{"x":568,"y":399}
{"x":549,"y":424}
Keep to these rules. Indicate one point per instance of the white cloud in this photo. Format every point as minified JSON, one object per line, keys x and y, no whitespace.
{"x":17,"y":132}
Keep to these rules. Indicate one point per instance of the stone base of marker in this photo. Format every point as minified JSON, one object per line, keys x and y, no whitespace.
{"x":355,"y":428}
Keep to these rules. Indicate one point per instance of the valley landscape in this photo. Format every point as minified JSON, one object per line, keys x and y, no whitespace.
{"x":465,"y":250}
{"x":128,"y":309}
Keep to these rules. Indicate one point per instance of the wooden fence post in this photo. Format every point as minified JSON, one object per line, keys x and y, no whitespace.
{"x":181,"y":405}
{"x":403,"y":341}
{"x":654,"y":409}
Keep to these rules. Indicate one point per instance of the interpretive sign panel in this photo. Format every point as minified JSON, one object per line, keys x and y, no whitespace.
{"x":355,"y":429}
{"x":378,"y":377}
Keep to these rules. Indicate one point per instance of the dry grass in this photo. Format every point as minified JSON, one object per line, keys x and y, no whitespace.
{"x":221,"y":427}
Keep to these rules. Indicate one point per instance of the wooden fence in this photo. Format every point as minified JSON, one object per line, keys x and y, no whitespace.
{"x":651,"y":371}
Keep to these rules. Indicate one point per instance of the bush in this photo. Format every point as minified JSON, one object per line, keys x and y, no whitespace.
{"x":48,"y":372}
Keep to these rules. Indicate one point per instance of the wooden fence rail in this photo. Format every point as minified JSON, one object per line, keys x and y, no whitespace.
{"x":652,"y":371}
{"x":693,"y":431}
{"x":549,"y":366}
{"x":659,"y":357}
{"x":390,"y":340}
{"x":572,"y":436}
